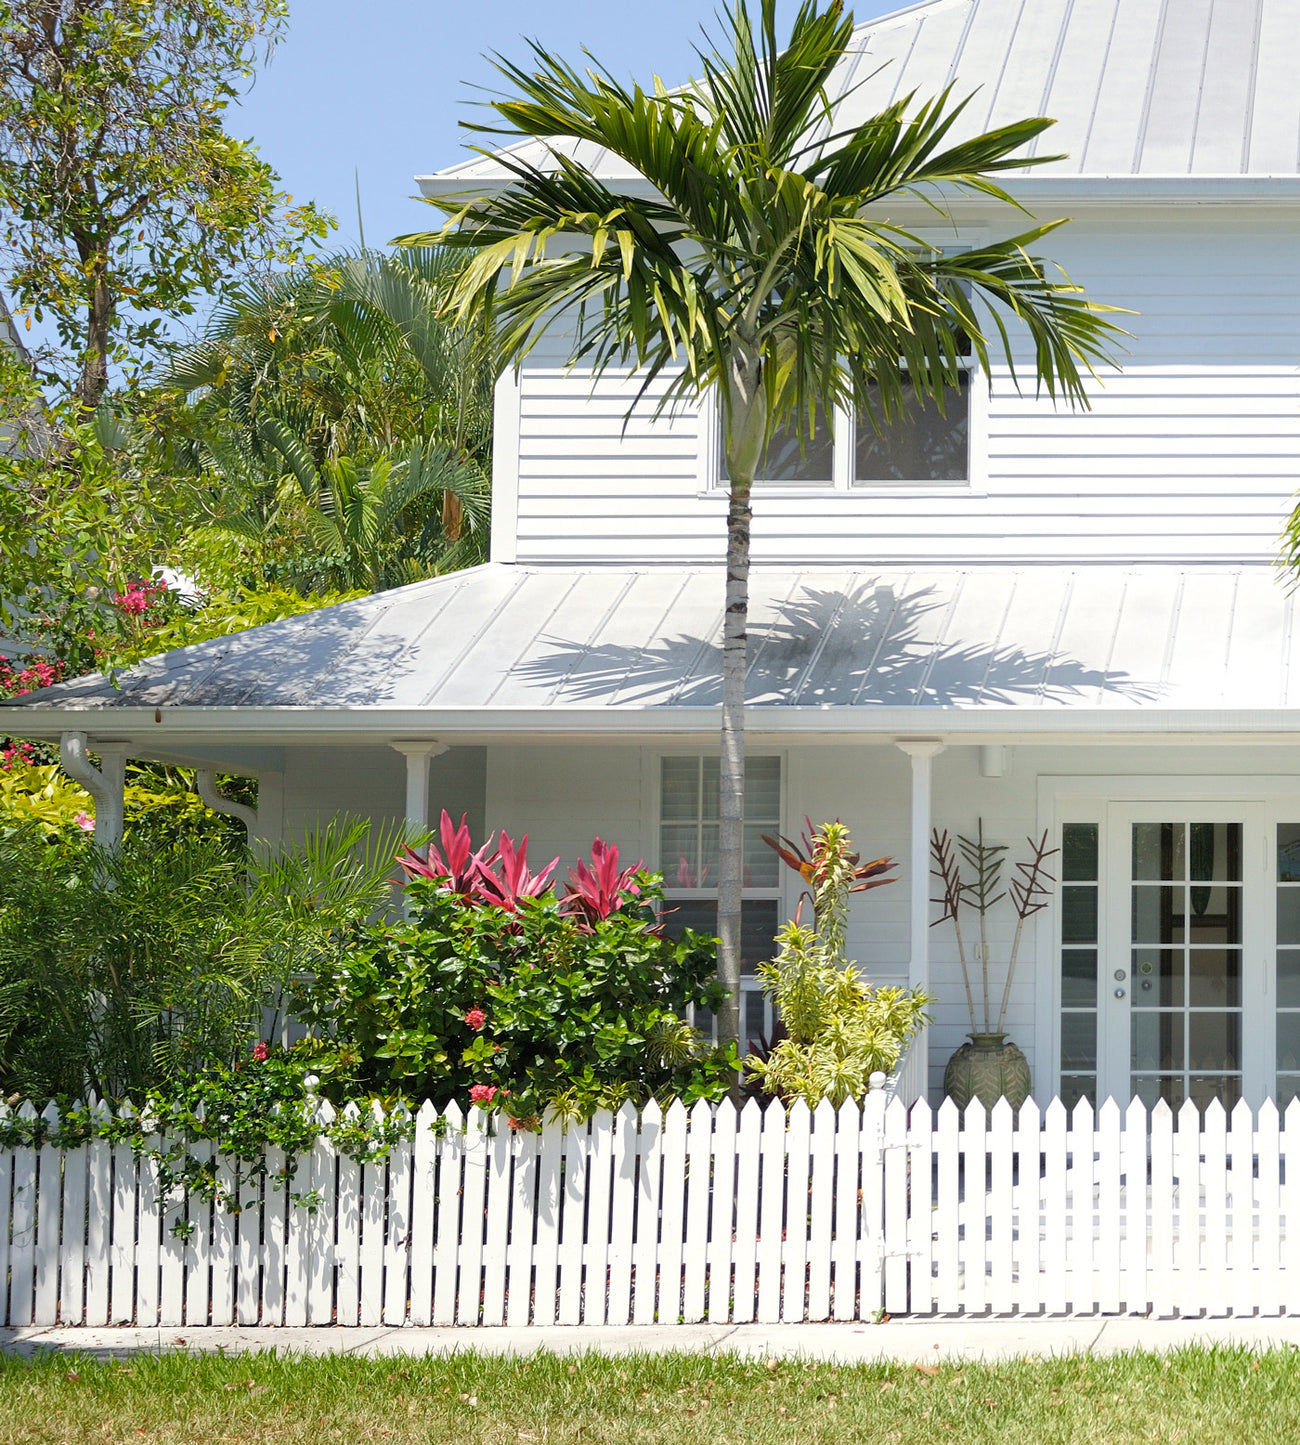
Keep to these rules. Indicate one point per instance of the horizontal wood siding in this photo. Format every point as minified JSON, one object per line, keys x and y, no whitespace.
{"x":1191,"y":453}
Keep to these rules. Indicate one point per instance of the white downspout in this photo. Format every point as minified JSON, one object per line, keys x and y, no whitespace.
{"x":106,"y":784}
{"x":922,"y":752}
{"x":205,"y":784}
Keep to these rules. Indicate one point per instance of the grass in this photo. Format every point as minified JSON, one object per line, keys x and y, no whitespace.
{"x":1220,"y":1395}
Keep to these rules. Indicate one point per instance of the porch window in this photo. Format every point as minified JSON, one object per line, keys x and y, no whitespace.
{"x":1288,"y":963}
{"x":688,"y":856}
{"x":920,"y":443}
{"x":1080,"y":886}
{"x":793,"y":457}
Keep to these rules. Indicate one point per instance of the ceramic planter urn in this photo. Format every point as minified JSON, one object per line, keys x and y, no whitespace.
{"x":988,"y":1068}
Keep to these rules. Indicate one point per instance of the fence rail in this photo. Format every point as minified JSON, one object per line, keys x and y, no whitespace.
{"x":710,"y":1213}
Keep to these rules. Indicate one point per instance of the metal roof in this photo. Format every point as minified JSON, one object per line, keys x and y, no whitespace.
{"x":1137,"y":87}
{"x":613,"y":641}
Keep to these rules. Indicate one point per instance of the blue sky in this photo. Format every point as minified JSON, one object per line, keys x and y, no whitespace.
{"x":375,"y":90}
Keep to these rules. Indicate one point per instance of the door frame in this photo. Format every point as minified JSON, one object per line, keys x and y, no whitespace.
{"x":1270,"y":798}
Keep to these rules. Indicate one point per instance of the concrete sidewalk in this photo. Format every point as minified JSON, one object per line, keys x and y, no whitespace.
{"x":912,"y":1341}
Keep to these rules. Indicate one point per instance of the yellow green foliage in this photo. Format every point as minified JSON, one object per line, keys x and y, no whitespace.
{"x":840,"y":1030}
{"x":42,"y":794}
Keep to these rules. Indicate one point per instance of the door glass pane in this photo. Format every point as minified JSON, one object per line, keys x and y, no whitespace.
{"x":1158,"y":1040}
{"x":1079,"y":978}
{"x":1214,"y":978}
{"x":1288,"y":852}
{"x":1288,"y":963}
{"x":1079,"y":852}
{"x":1288,"y":1042}
{"x":1079,"y":914}
{"x":1157,"y":851}
{"x":1214,"y":1041}
{"x":1151,"y":1088}
{"x":1158,"y":978}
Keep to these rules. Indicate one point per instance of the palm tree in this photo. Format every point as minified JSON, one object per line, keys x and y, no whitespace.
{"x":760,"y":264}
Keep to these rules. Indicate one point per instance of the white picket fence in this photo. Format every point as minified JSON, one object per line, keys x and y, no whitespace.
{"x":701,"y":1214}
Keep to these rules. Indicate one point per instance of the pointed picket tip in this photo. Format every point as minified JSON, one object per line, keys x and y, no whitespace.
{"x":1109,"y":1111}
{"x":50,"y":1113}
{"x":1215,"y":1115}
{"x":27,"y":1110}
{"x":1001,"y":1115}
{"x":427,"y":1114}
{"x":824,"y":1114}
{"x":1160,"y":1110}
{"x":626,"y":1116}
{"x":1242,"y":1115}
{"x":1028,"y":1121}
{"x":676,"y":1112}
{"x":651,"y":1115}
{"x":949,"y":1114}
{"x":1268,"y":1113}
{"x":1056,"y":1111}
{"x":850,"y":1109}
{"x":601,"y":1120}
{"x":376,"y":1111}
{"x":921,"y":1116}
{"x":1082,"y":1114}
{"x":325,"y":1112}
{"x":1291,"y":1114}
{"x":774,"y":1116}
{"x":752,"y":1113}
{"x":975,"y":1114}
{"x":100,"y":1110}
{"x":799,"y":1113}
{"x":455,"y":1119}
{"x":1136,"y":1113}
{"x":1189,"y":1116}
{"x":351,"y":1113}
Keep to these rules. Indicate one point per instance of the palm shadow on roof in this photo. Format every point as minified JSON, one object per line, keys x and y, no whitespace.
{"x":871,"y":646}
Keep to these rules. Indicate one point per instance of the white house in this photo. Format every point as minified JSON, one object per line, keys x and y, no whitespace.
{"x":1046,"y":620}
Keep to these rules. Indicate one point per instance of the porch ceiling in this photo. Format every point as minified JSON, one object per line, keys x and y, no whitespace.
{"x":1023,"y":650}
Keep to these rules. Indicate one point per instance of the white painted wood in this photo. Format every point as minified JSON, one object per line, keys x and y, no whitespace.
{"x":550,"y":1202}
{"x":974,"y":1211}
{"x":1214,"y":1176}
{"x":1291,"y":1201}
{"x":770,"y":1221}
{"x":873,"y":1242}
{"x":397,"y":1243}
{"x":148,"y":1243}
{"x":622,"y":1201}
{"x":49,"y":1192}
{"x":844,"y":1247}
{"x":745,"y":1248}
{"x":6,"y":1216}
{"x":1002,"y":1291}
{"x":198,"y":1247}
{"x":1243,"y":1298}
{"x":277,"y":1214}
{"x":347,"y":1244}
{"x":424,"y":1200}
{"x":320,"y":1225}
{"x":947,"y":1213}
{"x":99,"y":1219}
{"x":1080,"y":1284}
{"x":22,"y":1250}
{"x":523,"y":1218}
{"x":125,"y":1183}
{"x":1134,"y":1287}
{"x":1271,"y":1296}
{"x":473,"y":1231}
{"x":1029,"y":1208}
{"x":673,"y":1216}
{"x":920,"y":1224}
{"x":224,"y":1243}
{"x":249,"y":1283}
{"x":695,"y":1251}
{"x":500,"y":1167}
{"x":596,"y":1286}
{"x":171,"y":1258}
{"x":374,"y":1180}
{"x":1055,"y":1292}
{"x":645,"y":1248}
{"x":797,"y":1180}
{"x":721,"y":1213}
{"x":1161,"y":1214}
{"x":1110,"y":1218}
{"x":1188,"y":1218}
{"x":576,"y":1149}
{"x":895,"y":1200}
{"x":821,"y":1204}
{"x":450,"y":1152}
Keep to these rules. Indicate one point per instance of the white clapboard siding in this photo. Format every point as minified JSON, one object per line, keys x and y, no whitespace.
{"x":1187,"y":454}
{"x":708,"y":1213}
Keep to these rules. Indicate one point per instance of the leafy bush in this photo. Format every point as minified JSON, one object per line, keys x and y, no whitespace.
{"x":840,"y":1030}
{"x":496,"y":990}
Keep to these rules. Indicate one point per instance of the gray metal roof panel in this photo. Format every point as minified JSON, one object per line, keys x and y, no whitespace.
{"x":639,"y":639}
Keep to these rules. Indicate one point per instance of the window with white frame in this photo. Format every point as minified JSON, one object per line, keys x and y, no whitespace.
{"x":688,"y":857}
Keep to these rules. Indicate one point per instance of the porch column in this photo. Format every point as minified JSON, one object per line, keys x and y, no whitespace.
{"x":106,"y":784}
{"x":418,"y":754}
{"x":922,"y":752}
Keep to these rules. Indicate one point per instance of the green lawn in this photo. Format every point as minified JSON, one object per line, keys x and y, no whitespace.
{"x":1218,"y":1396}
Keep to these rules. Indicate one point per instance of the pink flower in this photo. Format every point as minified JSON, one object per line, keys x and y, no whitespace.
{"x":85,"y":822}
{"x":483,"y":1093}
{"x":476,"y":1018}
{"x":260,"y":1052}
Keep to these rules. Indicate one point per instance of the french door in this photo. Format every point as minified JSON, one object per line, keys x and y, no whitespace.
{"x":1184,"y":1001}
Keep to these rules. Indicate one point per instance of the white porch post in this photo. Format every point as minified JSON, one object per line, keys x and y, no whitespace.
{"x":922,"y":752}
{"x":106,"y":783}
{"x":418,"y":753}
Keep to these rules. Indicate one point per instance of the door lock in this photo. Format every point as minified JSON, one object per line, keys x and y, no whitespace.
{"x":1119,"y":993}
{"x":1120,"y":975}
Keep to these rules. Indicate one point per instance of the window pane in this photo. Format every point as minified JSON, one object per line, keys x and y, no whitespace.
{"x":1214,"y":1040}
{"x":1157,"y":1040}
{"x":678,"y":854}
{"x":762,"y":866}
{"x":1159,"y":851}
{"x":1288,"y":852}
{"x":793,"y":456}
{"x":1215,"y":915}
{"x":1075,"y":1087}
{"x":1288,"y":1041}
{"x":1078,"y":915}
{"x":1202,"y":1090}
{"x":1288,"y":1088}
{"x":1158,"y":915}
{"x":1288,"y":978}
{"x":1079,"y":1041}
{"x":1158,"y":978}
{"x":1079,"y":852}
{"x":1214,"y":978}
{"x":758,"y":920}
{"x":919,"y":445}
{"x":1151,"y":1088}
{"x":763,"y":790}
{"x":1288,"y":915}
{"x":1214,"y":852}
{"x":1079,"y":978}
{"x":680,"y":789}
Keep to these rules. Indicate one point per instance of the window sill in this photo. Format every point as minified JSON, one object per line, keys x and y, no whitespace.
{"x":853,"y":493}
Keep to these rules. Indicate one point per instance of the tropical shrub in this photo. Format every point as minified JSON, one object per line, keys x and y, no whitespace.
{"x":497,"y":988}
{"x":839,"y":1029}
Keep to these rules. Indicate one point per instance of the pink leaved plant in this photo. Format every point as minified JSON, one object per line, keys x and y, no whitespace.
{"x":507,"y":883}
{"x":597,"y":891}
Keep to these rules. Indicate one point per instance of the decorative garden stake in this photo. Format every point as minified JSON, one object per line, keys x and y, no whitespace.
{"x":988,"y":1068}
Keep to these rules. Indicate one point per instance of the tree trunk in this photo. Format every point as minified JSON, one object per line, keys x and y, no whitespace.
{"x":93,"y":382}
{"x":745,"y":423}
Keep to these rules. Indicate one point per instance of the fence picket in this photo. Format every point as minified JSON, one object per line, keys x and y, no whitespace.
{"x":48,"y":1198}
{"x":1161,"y":1213}
{"x":975,"y":1209}
{"x":1213,"y":1153}
{"x":550,"y":1202}
{"x":22,"y":1254}
{"x":198,"y":1245}
{"x":745,"y":1244}
{"x":845,"y":1188}
{"x":1135,"y":1289}
{"x":523,"y":1214}
{"x":6,"y":1194}
{"x":798,"y":1139}
{"x":1271,"y":1297}
{"x":250,"y":1256}
{"x":1241,"y":1189}
{"x":599,"y":1232}
{"x":298,"y":1232}
{"x":821,"y":1202}
{"x":125,"y":1185}
{"x":397,"y":1240}
{"x":99,"y":1219}
{"x":370,"y":1252}
{"x":920,"y":1224}
{"x":622,"y":1200}
{"x":1002,"y":1293}
{"x":1029,"y":1209}
{"x":1291,"y":1199}
{"x":148,"y":1240}
{"x":771,"y":1222}
{"x":320,"y":1249}
{"x":500,"y":1164}
{"x":1080,"y":1284}
{"x":673,"y":1219}
{"x":895,"y":1202}
{"x":1055,"y":1294}
{"x":577,"y":1146}
{"x":645,"y":1248}
{"x":721,"y":1213}
{"x":1110,"y":1288}
{"x":424,"y":1198}
{"x":695,"y":1249}
{"x":474,"y":1229}
{"x":173,"y":1220}
{"x":274,"y":1214}
{"x":1187,"y":1240}
{"x":223,"y":1243}
{"x":947,"y":1222}
{"x":450,"y":1149}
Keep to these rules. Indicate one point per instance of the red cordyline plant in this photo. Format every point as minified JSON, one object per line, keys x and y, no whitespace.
{"x":597,"y":891}
{"x":499,"y":876}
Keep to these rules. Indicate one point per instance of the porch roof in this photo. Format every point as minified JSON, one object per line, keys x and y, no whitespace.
{"x":566,"y":649}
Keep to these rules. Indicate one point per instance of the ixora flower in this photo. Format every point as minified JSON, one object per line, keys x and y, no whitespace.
{"x":484,"y":1093}
{"x":260,"y":1052}
{"x":85,"y":822}
{"x":476,"y":1018}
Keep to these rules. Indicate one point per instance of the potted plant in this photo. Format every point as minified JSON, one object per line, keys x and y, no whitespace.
{"x":989,"y":1067}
